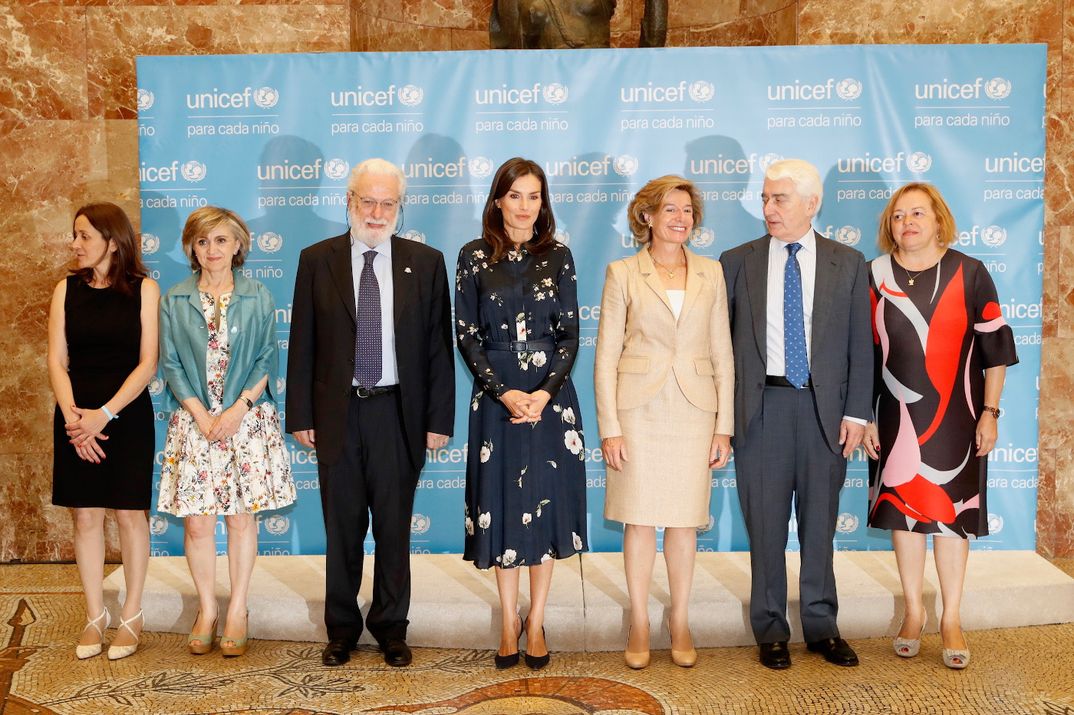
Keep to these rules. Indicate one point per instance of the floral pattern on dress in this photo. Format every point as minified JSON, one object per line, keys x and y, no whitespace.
{"x":246,"y":473}
{"x":525,"y":484}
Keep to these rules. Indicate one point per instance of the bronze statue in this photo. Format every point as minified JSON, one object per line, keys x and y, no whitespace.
{"x":559,"y":24}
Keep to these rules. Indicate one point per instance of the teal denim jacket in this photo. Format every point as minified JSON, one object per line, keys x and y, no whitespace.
{"x":184,"y":337}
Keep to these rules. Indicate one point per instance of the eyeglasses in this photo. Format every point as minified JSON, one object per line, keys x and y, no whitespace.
{"x":370,"y":205}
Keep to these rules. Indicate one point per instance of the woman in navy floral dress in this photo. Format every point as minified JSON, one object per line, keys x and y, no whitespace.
{"x":516,"y":311}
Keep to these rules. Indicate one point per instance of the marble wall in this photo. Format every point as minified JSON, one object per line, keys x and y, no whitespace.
{"x":68,"y":135}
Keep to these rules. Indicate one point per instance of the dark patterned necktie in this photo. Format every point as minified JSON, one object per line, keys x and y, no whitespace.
{"x":796,"y":362}
{"x":367,"y":341}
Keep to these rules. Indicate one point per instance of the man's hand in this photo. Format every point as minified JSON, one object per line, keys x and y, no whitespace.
{"x":850,"y":434}
{"x":435,"y":441}
{"x":306,"y":438}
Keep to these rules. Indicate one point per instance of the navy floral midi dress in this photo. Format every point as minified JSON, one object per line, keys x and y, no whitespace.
{"x":516,"y":321}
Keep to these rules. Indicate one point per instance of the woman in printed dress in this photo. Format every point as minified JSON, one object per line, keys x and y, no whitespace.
{"x":942,"y":351}
{"x":516,"y":311}
{"x":224,"y":453}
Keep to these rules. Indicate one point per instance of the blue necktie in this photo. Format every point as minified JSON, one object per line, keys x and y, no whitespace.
{"x":367,"y":341}
{"x":796,"y":362}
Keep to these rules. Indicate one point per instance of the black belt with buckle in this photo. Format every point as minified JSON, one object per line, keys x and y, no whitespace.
{"x":520,"y":346}
{"x":781,"y":381}
{"x":365,"y":392}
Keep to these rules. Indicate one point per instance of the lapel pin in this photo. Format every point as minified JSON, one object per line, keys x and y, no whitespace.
{"x":406,"y":270}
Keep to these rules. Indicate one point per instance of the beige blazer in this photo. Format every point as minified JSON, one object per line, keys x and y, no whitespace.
{"x":640,"y":345}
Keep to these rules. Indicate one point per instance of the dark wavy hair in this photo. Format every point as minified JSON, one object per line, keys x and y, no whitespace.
{"x":126,"y":265}
{"x":492,"y":228}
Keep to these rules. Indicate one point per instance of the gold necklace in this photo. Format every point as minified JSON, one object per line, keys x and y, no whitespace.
{"x":911,"y":278}
{"x":670,"y":271}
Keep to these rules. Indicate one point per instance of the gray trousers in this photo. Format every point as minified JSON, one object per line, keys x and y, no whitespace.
{"x":784,"y":455}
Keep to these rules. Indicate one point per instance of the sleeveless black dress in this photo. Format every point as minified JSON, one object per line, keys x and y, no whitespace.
{"x":104,"y":329}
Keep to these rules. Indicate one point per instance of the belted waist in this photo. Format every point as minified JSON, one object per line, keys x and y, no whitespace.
{"x":782,"y":381}
{"x":364,"y":392}
{"x":520,"y":346}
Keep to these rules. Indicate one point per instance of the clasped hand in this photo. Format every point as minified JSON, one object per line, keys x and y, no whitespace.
{"x":85,"y":433}
{"x":525,"y":406}
{"x":220,"y":427}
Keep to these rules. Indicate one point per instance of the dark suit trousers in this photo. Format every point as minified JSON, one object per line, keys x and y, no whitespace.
{"x":373,"y":475}
{"x":784,"y":455}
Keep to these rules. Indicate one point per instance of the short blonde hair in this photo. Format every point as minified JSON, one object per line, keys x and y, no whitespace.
{"x":945,"y":220}
{"x":649,"y":199}
{"x":205,"y":219}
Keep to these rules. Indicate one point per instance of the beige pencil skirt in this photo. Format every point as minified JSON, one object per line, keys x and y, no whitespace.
{"x":667,"y":481}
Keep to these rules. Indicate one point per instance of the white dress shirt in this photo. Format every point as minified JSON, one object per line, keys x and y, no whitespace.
{"x":777,"y":263}
{"x":382,"y":269}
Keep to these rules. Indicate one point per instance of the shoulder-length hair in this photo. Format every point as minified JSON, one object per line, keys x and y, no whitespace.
{"x":492,"y":228}
{"x":945,"y":220}
{"x":126,"y":263}
{"x":650,"y":198}
{"x":201,"y":221}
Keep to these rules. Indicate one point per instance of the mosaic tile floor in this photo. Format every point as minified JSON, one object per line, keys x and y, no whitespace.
{"x":1024,"y":670}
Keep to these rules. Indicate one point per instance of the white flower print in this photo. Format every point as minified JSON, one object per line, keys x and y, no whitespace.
{"x":486,"y":451}
{"x":509,"y":555}
{"x":469,"y":526}
{"x":479,"y":254}
{"x":476,"y":403}
{"x":546,"y":557}
{"x":484,"y":520}
{"x":539,"y":358}
{"x":572,"y":441}
{"x":568,"y":415}
{"x":526,"y":518}
{"x":540,"y":505}
{"x":577,"y":541}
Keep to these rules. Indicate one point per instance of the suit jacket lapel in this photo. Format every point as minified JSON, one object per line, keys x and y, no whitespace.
{"x":648,"y":269}
{"x":402,"y":278}
{"x":342,"y":275}
{"x":822,"y":292}
{"x":694,"y":278}
{"x":757,"y":287}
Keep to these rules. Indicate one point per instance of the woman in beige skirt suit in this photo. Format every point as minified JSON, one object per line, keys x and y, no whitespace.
{"x":665,"y":384}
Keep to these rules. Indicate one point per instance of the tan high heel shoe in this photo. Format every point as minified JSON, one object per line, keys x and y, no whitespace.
{"x":635,"y":659}
{"x":88,"y":651}
{"x":238,"y":645}
{"x":116,"y":652}
{"x":204,"y":640}
{"x":682,"y":658}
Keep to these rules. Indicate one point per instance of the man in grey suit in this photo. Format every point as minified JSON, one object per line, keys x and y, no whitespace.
{"x":800,"y":327}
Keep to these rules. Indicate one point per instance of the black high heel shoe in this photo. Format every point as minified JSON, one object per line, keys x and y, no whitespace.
{"x":536,"y":662}
{"x":510,"y":660}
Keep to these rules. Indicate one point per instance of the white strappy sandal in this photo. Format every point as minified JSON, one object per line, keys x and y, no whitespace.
{"x":88,"y":651}
{"x":115,"y":652}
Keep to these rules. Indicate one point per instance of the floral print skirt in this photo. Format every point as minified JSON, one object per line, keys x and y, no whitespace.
{"x":249,"y":472}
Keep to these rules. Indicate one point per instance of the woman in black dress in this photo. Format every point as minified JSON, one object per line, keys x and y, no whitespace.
{"x":516,"y":312}
{"x":102,"y":352}
{"x":942,"y":351}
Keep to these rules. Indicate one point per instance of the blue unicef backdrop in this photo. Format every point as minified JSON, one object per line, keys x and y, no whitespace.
{"x":274,"y":136}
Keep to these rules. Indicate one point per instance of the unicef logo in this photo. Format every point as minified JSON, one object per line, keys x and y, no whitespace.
{"x":998,"y":88}
{"x":479,"y":166}
{"x":336,"y":168}
{"x":270,"y":242}
{"x":281,"y":385}
{"x":702,"y":237}
{"x":414,"y":235}
{"x":266,"y":97}
{"x":145,"y":99}
{"x":555,"y":93}
{"x":770,"y":158}
{"x":157,"y":525}
{"x":277,"y":525}
{"x":848,"y":235}
{"x":848,"y":89}
{"x":625,"y":165}
{"x":150,"y":244}
{"x":701,"y":91}
{"x":995,"y":523}
{"x":919,"y":162}
{"x":194,"y":171}
{"x":707,"y":527}
{"x":411,"y":95}
{"x":156,"y":385}
{"x":993,"y":235}
{"x":563,"y":237}
{"x":847,"y":523}
{"x":420,"y":523}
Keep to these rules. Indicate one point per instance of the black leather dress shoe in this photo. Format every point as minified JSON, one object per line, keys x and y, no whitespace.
{"x":396,"y":652}
{"x":775,"y":655}
{"x":337,"y":652}
{"x":835,"y":650}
